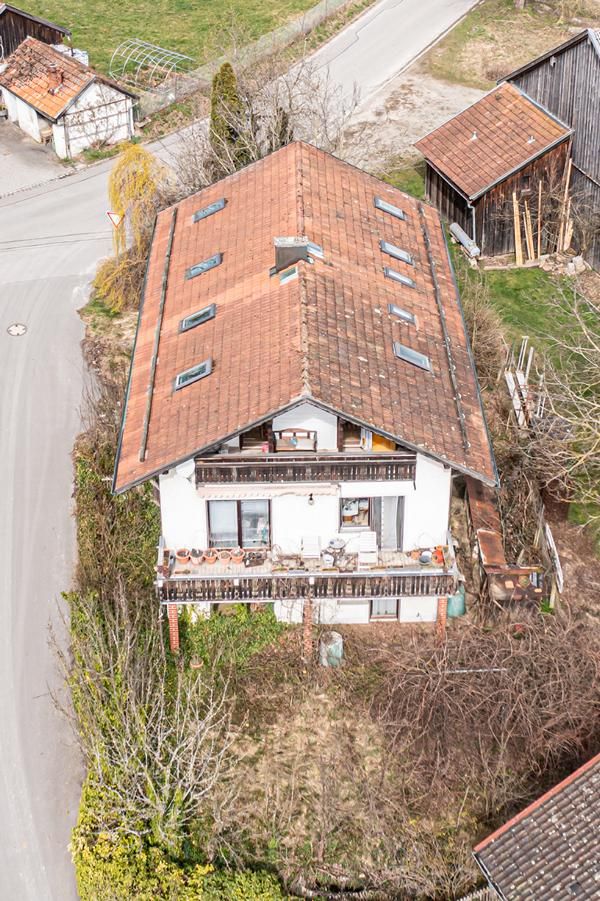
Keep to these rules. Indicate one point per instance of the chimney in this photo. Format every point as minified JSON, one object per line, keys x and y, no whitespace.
{"x":55,"y":78}
{"x":289,"y":251}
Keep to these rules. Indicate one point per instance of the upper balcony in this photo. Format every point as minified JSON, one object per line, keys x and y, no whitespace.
{"x":291,"y":455}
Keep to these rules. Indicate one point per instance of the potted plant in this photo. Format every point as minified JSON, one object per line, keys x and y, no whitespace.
{"x":196,"y":556}
{"x":237,"y":555}
{"x":224,"y":556}
{"x":210,"y":555}
{"x":182,"y":555}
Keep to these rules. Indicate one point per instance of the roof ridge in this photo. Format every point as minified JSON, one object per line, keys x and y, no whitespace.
{"x":300,"y":224}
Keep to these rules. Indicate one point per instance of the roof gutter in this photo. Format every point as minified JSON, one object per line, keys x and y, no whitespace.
{"x":487,"y":875}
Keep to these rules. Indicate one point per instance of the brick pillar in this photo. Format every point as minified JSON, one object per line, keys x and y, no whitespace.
{"x":442,"y":617}
{"x":307,"y":618}
{"x":173,"y":627}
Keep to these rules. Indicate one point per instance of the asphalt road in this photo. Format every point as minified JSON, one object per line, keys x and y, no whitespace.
{"x":385,"y":40}
{"x":51,"y":239}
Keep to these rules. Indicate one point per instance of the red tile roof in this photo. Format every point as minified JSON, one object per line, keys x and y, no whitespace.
{"x":47,"y":80}
{"x":490,"y":139}
{"x":325,"y":336}
{"x":551,"y":849}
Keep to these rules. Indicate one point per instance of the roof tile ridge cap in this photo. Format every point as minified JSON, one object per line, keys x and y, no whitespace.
{"x":305,"y":379}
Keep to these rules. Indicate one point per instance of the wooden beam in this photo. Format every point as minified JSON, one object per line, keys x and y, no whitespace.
{"x":539,"y":220}
{"x":517,"y":224}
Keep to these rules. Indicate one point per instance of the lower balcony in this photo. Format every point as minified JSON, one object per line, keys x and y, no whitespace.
{"x":267,"y":577}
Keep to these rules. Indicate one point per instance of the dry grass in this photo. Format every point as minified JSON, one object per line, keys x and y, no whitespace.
{"x":484,"y":48}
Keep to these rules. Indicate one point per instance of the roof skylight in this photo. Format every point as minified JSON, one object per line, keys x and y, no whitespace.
{"x":396,"y":252}
{"x":398,"y":277}
{"x":401,"y":314}
{"x":198,"y":318}
{"x":386,"y":207}
{"x":411,"y":356}
{"x":207,"y":211}
{"x":193,"y":375}
{"x":204,"y":266}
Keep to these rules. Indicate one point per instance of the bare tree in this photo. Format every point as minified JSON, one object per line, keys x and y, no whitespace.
{"x":564,"y":441}
{"x":272,"y":107}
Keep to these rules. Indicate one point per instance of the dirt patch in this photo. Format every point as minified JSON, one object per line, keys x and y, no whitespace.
{"x":484,"y":46}
{"x":406,"y":109}
{"x":581,"y":569}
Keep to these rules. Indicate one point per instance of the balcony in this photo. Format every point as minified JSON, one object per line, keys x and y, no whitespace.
{"x":395,"y":574}
{"x":306,"y":467}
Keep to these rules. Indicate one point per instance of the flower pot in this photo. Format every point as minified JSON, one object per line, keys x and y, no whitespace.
{"x":224,"y":556}
{"x":182,"y":555}
{"x":210,"y":556}
{"x":237,"y":555}
{"x":196,"y":556}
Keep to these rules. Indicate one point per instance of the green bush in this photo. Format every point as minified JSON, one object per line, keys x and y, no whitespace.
{"x":230,"y":639}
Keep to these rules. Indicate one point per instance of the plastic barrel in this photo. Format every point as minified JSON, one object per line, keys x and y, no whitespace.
{"x":456,"y":602}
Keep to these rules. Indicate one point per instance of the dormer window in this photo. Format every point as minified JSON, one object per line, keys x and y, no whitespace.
{"x":193,"y":375}
{"x":398,"y":277}
{"x":209,"y":210}
{"x":402,"y":352}
{"x":386,"y":207}
{"x":396,"y":252}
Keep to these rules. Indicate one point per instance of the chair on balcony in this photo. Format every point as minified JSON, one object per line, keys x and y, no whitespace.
{"x":311,"y":547}
{"x":367,"y":550}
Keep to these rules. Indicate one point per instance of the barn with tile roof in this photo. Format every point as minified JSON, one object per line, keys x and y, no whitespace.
{"x":501,"y":146}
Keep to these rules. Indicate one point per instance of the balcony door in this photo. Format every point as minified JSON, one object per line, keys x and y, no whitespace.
{"x":245,"y":523}
{"x":388,"y":522}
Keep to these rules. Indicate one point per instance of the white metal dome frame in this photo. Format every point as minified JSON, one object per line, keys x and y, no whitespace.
{"x":139,"y":63}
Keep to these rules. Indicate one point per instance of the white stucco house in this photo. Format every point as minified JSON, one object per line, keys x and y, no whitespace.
{"x":53,"y":97}
{"x":303,"y":397}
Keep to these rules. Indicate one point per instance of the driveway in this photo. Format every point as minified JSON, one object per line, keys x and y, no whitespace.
{"x":25,"y":163}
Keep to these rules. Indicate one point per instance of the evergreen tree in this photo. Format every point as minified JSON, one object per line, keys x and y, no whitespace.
{"x":227,"y":121}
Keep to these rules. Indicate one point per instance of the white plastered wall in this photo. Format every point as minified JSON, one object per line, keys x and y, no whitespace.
{"x":24,"y":115}
{"x":308,"y":416}
{"x":184,"y":516}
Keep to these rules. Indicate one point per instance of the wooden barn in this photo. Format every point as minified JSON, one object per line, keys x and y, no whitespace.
{"x":491,"y":162}
{"x":16,"y":25}
{"x":566,"y":81}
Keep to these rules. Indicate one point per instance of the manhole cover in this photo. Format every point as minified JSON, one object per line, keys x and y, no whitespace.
{"x":16,"y":329}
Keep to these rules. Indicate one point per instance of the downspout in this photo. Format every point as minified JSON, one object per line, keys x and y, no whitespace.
{"x":472,"y":208}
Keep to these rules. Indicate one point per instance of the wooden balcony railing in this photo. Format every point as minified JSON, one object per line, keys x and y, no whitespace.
{"x":277,"y":587}
{"x":359,"y":467}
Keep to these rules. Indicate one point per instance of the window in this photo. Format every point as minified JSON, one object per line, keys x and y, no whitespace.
{"x":526,"y":184}
{"x":209,"y":210}
{"x":355,"y":513}
{"x":394,"y":310}
{"x":198,"y":318}
{"x":398,"y":277}
{"x":411,"y":356}
{"x":204,"y":266}
{"x":384,"y":608}
{"x":386,"y":207}
{"x":288,"y":274}
{"x":193,"y":375}
{"x":396,"y":252}
{"x":245,"y":524}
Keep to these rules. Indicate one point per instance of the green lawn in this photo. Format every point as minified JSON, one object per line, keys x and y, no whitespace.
{"x":188,"y":26}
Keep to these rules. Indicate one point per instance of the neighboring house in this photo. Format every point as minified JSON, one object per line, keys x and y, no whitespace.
{"x":503,"y":143}
{"x":16,"y":25}
{"x":302,"y":388}
{"x":566,"y":81}
{"x":551,"y":850}
{"x":53,"y":97}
